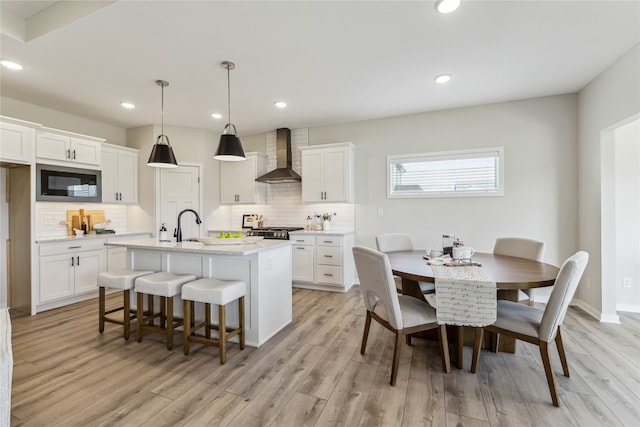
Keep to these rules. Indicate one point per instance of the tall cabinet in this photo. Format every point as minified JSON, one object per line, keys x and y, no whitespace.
{"x":327,"y":173}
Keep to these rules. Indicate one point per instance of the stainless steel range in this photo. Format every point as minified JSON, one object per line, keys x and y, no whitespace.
{"x":280,"y":233}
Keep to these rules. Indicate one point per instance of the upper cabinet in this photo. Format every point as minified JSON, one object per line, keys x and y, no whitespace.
{"x":60,"y":147}
{"x":16,"y":140}
{"x":327,"y":173}
{"x":119,"y":174}
{"x":238,"y":180}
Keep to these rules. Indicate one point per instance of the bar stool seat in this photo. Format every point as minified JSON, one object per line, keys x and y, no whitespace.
{"x":213,"y":291}
{"x":165,"y":285}
{"x":123,"y":280}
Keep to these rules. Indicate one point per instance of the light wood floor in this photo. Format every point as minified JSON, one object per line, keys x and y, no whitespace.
{"x":312,"y":373}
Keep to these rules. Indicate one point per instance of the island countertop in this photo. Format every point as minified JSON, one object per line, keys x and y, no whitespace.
{"x":197,"y":247}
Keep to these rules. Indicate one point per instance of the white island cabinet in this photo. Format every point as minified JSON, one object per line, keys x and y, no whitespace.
{"x":265,"y":267}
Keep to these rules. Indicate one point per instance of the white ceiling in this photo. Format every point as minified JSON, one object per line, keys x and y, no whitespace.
{"x":333,"y":62}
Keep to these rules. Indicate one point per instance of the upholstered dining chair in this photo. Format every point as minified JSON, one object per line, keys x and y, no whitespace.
{"x":537,"y":326}
{"x":400,"y":314}
{"x":521,"y":248}
{"x":394,"y":242}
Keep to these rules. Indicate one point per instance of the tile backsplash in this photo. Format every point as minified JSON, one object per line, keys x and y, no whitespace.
{"x":49,"y":215}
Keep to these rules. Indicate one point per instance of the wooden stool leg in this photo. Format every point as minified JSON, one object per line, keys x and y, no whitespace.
{"x":151,"y":318}
{"x":127,"y":313}
{"x":222,"y":333}
{"x":169,"y":321}
{"x":186,"y":326}
{"x":207,"y":320}
{"x":140,"y":313}
{"x":163,"y":312}
{"x":101,"y":310}
{"x":241,"y":323}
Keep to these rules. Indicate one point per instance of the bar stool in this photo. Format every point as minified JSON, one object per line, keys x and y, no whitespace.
{"x":166,"y":286}
{"x":122,"y":280}
{"x":213,"y":291}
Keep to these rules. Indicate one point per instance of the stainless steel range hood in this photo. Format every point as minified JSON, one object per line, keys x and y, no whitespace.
{"x":284,"y":173}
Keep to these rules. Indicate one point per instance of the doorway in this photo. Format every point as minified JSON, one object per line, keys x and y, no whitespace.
{"x":180,"y":189}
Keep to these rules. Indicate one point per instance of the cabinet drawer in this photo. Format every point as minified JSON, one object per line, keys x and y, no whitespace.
{"x":329,"y":274}
{"x":329,"y":241}
{"x":299,"y":239}
{"x":70,"y":246}
{"x":329,"y":255}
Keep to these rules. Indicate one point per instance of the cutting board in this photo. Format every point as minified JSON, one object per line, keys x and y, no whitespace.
{"x":74,"y":219}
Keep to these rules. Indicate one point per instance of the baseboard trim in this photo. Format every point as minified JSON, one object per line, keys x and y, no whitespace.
{"x":629,"y":308}
{"x":604,"y":318}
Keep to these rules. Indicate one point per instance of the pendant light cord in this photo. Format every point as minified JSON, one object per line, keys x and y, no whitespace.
{"x":229,"y":93}
{"x":162,"y":108}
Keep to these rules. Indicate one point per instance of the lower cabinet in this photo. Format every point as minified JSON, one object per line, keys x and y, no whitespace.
{"x":322,"y":261}
{"x":69,"y":268}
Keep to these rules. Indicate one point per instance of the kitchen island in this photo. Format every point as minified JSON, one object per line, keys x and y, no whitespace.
{"x":265,"y":267}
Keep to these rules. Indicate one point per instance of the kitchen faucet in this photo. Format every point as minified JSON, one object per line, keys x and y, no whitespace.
{"x":178,"y":233}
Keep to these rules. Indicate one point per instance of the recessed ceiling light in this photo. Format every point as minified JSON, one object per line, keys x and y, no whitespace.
{"x":127,"y":105}
{"x":447,"y":6}
{"x":442,"y":78}
{"x":280,"y":104}
{"x":11,"y":65}
{"x":216,"y":115}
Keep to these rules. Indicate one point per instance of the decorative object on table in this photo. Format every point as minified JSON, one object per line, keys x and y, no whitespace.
{"x":162,"y":154}
{"x":230,"y":239}
{"x":229,"y":147}
{"x":309,"y":224}
{"x":447,"y":243}
{"x":435,"y":252}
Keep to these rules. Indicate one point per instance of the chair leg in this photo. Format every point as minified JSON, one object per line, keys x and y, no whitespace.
{"x":396,"y":357}
{"x":563,"y":357}
{"x":207,"y":320}
{"x":101,"y":309}
{"x":365,"y":335}
{"x":241,"y":314}
{"x":169,"y":322}
{"x":127,"y":313}
{"x":222,"y":333}
{"x":546,"y":362}
{"x":187,"y":326}
{"x":444,"y":348}
{"x":477,"y":343}
{"x":459,"y":345}
{"x":140,"y":314}
{"x":163,"y":312}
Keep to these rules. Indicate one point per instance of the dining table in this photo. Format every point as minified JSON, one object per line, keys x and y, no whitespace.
{"x":510,"y":274}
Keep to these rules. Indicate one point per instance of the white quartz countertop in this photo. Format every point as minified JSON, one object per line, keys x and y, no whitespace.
{"x":197,"y":247}
{"x":322,"y":232}
{"x":130,"y":235}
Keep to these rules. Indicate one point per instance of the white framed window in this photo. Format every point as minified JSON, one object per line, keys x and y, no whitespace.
{"x":458,"y":173}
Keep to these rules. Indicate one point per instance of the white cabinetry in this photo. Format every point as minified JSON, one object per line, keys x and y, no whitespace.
{"x":60,"y":147}
{"x":303,"y":254}
{"x":69,"y":268}
{"x":322,"y":260}
{"x":327,"y":173}
{"x":119,"y":174}
{"x":238,"y":181}
{"x":16,"y":141}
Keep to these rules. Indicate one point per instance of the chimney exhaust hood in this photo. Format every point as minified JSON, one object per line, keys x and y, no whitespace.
{"x":283,"y":173}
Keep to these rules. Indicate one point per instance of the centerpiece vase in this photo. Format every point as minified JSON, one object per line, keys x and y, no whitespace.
{"x":326,"y":225}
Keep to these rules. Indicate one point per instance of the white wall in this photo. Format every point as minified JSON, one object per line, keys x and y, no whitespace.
{"x":627,"y":214}
{"x":63,"y":121}
{"x":540,"y":146}
{"x":604,"y":103}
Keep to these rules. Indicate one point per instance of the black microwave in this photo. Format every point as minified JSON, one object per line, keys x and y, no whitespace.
{"x":63,"y":184}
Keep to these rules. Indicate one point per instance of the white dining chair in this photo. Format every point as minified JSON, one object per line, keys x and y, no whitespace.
{"x":521,"y":248}
{"x":394,"y":242}
{"x":401,"y":314}
{"x":537,"y":326}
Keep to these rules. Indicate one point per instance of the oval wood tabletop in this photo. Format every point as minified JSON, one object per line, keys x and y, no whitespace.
{"x":508,"y":272}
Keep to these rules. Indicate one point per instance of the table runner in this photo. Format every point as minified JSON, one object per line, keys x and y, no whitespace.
{"x":465,"y":296}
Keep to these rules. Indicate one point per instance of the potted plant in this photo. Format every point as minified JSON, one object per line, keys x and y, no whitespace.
{"x":326,"y":220}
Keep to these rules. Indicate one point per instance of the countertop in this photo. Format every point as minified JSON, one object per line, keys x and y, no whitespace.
{"x":322,"y":232}
{"x":128,"y":235}
{"x":197,"y":247}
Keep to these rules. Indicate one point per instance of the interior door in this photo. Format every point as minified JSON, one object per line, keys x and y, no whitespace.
{"x":179,"y":190}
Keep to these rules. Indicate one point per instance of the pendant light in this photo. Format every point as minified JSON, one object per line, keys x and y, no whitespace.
{"x":162,"y":154}
{"x":230,"y":147}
